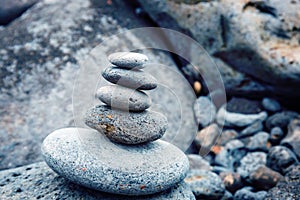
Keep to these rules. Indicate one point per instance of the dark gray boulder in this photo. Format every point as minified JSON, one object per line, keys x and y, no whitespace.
{"x":254,"y":43}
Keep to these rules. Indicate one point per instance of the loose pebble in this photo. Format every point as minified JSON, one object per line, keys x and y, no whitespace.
{"x":292,"y":139}
{"x":276,"y":135}
{"x":281,"y":119}
{"x":281,"y":159}
{"x":237,"y":119}
{"x":251,"y":129}
{"x":226,"y":136}
{"x":230,"y":156}
{"x":227,"y":196}
{"x":271,"y":105}
{"x":251,"y":162}
{"x":259,"y":142}
{"x":197,"y":162}
{"x":205,"y":184}
{"x":243,"y":106}
{"x":205,"y":111}
{"x":264,"y":178}
{"x":197,"y":87}
{"x":206,"y":138}
{"x":232,"y":181}
{"x":246,"y":194}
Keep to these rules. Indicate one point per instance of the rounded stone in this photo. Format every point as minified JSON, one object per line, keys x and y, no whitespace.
{"x":281,"y":159}
{"x":250,"y":163}
{"x":246,"y":194}
{"x":264,"y":178}
{"x":136,"y":79}
{"x":123,"y":98}
{"x":89,"y":159}
{"x":271,"y":105}
{"x":276,"y":135}
{"x":127,"y":127}
{"x":198,"y":162}
{"x":205,"y":184}
{"x":232,"y":181}
{"x":205,"y":111}
{"x":128,"y":60}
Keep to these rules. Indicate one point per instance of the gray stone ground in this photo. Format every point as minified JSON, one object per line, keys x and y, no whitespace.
{"x":38,"y":181}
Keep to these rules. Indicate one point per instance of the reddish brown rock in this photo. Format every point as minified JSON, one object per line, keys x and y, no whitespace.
{"x":206,"y":138}
{"x":232,"y":181}
{"x":264,"y":178}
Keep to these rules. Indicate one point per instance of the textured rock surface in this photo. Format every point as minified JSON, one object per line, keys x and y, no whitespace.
{"x":205,"y":111}
{"x":37,"y":99}
{"x":226,"y":136}
{"x":288,"y":188}
{"x":264,"y":178}
{"x":198,"y":162}
{"x":232,"y":181}
{"x":231,"y":154}
{"x":251,"y":129}
{"x":259,"y":142}
{"x":238,"y":119}
{"x":38,"y":181}
{"x":251,"y":162}
{"x":292,"y":139}
{"x":276,"y":135}
{"x":281,"y":159}
{"x":271,"y":105}
{"x":259,"y":39}
{"x":206,"y":138}
{"x":130,"y":78}
{"x":127,"y":127}
{"x":91,"y":160}
{"x":123,"y":98}
{"x":247,"y":194}
{"x":205,"y":184}
{"x":243,"y":106}
{"x":281,"y":119}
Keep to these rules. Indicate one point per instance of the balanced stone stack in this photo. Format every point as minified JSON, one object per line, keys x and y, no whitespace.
{"x":126,"y":157}
{"x":124,"y":119}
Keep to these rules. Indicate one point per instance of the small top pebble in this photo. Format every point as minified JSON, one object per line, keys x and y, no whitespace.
{"x":128,"y":60}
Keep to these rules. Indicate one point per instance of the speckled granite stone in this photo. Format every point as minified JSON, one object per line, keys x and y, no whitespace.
{"x":86,"y":157}
{"x":123,"y":98}
{"x":128,"y":60}
{"x":136,"y":79}
{"x":205,"y":184}
{"x":127,"y":127}
{"x":38,"y":181}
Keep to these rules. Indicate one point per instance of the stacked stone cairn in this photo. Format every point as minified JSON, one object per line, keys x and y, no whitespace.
{"x":125,"y":117}
{"x":126,"y":157}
